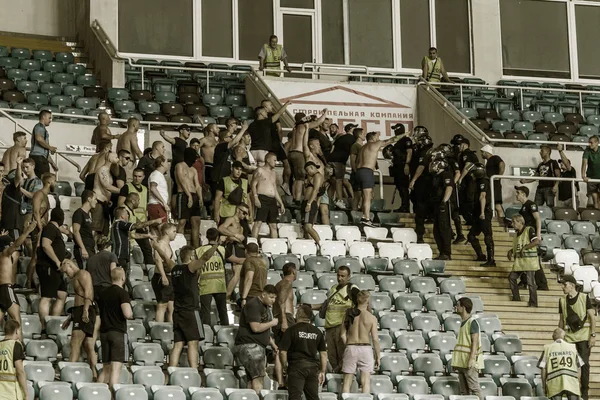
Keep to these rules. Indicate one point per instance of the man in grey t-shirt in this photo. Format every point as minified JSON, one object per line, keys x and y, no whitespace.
{"x":100,"y":266}
{"x":40,"y":145}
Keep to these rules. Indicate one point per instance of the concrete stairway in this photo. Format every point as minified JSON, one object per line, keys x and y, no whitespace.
{"x":533,"y":325}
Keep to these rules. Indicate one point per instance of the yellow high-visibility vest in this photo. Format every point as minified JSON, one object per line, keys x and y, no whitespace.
{"x":462,"y":350}
{"x":529,"y":261}
{"x":212,"y":274}
{"x":579,"y":308}
{"x":273,"y":58}
{"x":562,"y":368}
{"x":9,"y":386}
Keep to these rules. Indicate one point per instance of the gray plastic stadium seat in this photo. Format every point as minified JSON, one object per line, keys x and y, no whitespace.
{"x":221,"y":379}
{"x":508,"y":345}
{"x":131,"y":392}
{"x":148,"y":354}
{"x":516,"y":387}
{"x":313,"y":296}
{"x":412,"y":385}
{"x":240,"y":394}
{"x":392,"y":284}
{"x":200,"y":393}
{"x":184,"y":378}
{"x":365,"y":282}
{"x":31,"y":326}
{"x":425,"y":323}
{"x":442,"y":344}
{"x":445,"y":385}
{"x":42,"y":350}
{"x":350,"y":262}
{"x":452,"y":286}
{"x":144,"y":292}
{"x":392,"y":396}
{"x":423,"y":285}
{"x":408,"y":302}
{"x":317,"y":264}
{"x":394,"y":364}
{"x":381,"y":384}
{"x":274,"y":394}
{"x":526,"y":366}
{"x":428,"y":365}
{"x":147,"y":376}
{"x":74,"y":372}
{"x":161,"y":392}
{"x":334,"y":383}
{"x":439,"y":304}
{"x":280,"y":260}
{"x":393,"y":320}
{"x":226,"y":336}
{"x":56,"y":391}
{"x":406,"y":268}
{"x":162,"y":333}
{"x":94,"y":392}
{"x":38,"y":371}
{"x":409,"y":343}
{"x":217,"y":357}
{"x":385,"y":340}
{"x":496,"y":367}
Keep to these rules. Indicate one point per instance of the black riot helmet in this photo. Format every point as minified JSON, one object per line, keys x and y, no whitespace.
{"x":436,"y":155}
{"x":477,"y":170}
{"x":388,"y":152}
{"x":446,"y":149}
{"x":438,"y":166}
{"x":457,"y":139}
{"x":420,"y":130}
{"x":423,"y":141}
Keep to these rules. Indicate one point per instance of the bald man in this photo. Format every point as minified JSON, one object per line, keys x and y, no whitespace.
{"x":102,"y":135}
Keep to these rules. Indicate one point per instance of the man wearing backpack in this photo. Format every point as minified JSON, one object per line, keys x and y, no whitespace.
{"x":578,"y":319}
{"x":339,"y":298}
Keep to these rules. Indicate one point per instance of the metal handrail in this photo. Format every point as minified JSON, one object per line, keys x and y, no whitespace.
{"x":539,"y":178}
{"x":61,"y":154}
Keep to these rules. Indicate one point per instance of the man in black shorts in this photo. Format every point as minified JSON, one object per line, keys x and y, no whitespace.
{"x":83,"y":314}
{"x":494,"y":165}
{"x":162,"y":280}
{"x":254,"y":335}
{"x":236,"y":229}
{"x":115,"y":310}
{"x":189,"y":195}
{"x":187,"y":325}
{"x":50,"y":255}
{"x":266,"y":197}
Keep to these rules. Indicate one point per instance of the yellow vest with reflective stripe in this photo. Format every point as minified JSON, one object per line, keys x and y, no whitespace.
{"x":9,"y":386}
{"x":529,"y":260}
{"x":227,"y":209}
{"x":140,"y":211}
{"x":582,"y":335}
{"x":337,"y":306}
{"x":212,"y":274}
{"x":462,"y":350}
{"x":273,"y":57}
{"x":561,"y":368}
{"x":434,"y":70}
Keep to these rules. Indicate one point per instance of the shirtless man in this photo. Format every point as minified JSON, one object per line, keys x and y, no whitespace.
{"x":283,"y":309}
{"x":296,"y":153}
{"x":266,"y":197}
{"x":366,"y":163}
{"x":41,"y":208}
{"x":207,"y":151}
{"x":236,"y":229}
{"x":9,"y":159}
{"x":314,"y":154}
{"x":313,"y":190}
{"x":101,"y":135}
{"x":8,"y":300}
{"x":83,"y":314}
{"x":104,"y":188}
{"x":189,"y":195}
{"x":129,"y":141}
{"x":161,"y":280}
{"x":95,"y":162}
{"x":357,"y":333}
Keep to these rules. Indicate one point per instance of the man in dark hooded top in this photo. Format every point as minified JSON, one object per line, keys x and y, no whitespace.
{"x":189,"y":195}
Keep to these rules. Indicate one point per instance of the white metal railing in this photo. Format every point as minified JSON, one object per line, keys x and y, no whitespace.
{"x":539,"y":178}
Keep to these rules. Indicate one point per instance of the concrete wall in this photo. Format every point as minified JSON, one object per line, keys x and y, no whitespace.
{"x":39,"y":17}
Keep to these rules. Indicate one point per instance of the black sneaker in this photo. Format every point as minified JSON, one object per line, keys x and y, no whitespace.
{"x":443,"y":257}
{"x":481,"y":258}
{"x":459,"y":240}
{"x":489,"y":263}
{"x":366,"y":222}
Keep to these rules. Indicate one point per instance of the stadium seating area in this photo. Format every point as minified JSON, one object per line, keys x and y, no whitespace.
{"x":33,"y":80}
{"x":535,"y":112}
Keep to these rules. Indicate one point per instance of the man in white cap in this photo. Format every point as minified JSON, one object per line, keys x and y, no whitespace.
{"x":494,"y":165}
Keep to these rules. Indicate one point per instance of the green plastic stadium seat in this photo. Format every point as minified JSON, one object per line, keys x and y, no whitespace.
{"x":27,"y":87}
{"x":243,"y":113}
{"x":40,"y":76}
{"x":165,"y":97}
{"x":63,"y":78}
{"x":65,"y":57}
{"x":3,"y":51}
{"x":42,"y":55}
{"x":53,"y":66}
{"x":148,"y":107}
{"x":73,"y":91}
{"x":86,"y":80}
{"x":9,"y":62}
{"x":30,"y":65}
{"x":38,"y":99}
{"x":17,"y":74}
{"x":118,"y":94}
{"x":86,"y":103}
{"x":20,"y":53}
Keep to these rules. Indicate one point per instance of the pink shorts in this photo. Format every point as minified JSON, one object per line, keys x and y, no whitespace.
{"x":358,"y":357}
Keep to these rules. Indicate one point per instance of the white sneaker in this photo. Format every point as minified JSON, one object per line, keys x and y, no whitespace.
{"x":341,"y":204}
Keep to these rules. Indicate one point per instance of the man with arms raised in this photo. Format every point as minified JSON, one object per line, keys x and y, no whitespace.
{"x":102,"y":135}
{"x":9,"y":159}
{"x":358,"y":330}
{"x":236,"y":229}
{"x":260,"y":131}
{"x":189,"y":195}
{"x":83,"y":236}
{"x":104,"y":188}
{"x":8,"y":300}
{"x":13,"y":385}
{"x":88,"y":173}
{"x":83,"y":314}
{"x":115,"y":310}
{"x":254,"y":335}
{"x":365,"y":166}
{"x":161,"y":280}
{"x":266,"y":196}
{"x":296,"y":153}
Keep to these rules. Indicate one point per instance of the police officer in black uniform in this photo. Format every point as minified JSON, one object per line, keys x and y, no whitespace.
{"x":466,"y":193}
{"x":448,"y":154}
{"x":482,"y":217}
{"x":401,"y":153}
{"x":442,"y":188}
{"x":420,"y":184}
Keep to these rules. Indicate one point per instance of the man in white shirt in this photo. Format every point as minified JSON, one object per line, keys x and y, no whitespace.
{"x":158,"y":202}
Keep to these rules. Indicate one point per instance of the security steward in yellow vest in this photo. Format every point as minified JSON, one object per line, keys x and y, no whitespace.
{"x":560,"y":368}
{"x":467,"y":358}
{"x":578,"y":319}
{"x":138,"y":214}
{"x":231,"y":191}
{"x":13,"y":382}
{"x":339,"y":298}
{"x":526,"y":261}
{"x":271,"y":55}
{"x":211,"y":282}
{"x":433,"y":67}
